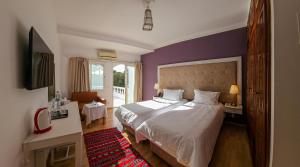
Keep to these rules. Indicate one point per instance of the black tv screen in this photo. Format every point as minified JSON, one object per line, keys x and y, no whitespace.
{"x":40,"y":63}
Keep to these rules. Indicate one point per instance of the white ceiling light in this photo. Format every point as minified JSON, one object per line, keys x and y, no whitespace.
{"x":148,"y":21}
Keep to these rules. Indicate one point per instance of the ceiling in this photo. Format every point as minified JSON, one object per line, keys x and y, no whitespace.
{"x":117,"y":24}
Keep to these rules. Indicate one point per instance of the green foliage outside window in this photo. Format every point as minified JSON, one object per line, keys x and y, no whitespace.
{"x":119,"y":79}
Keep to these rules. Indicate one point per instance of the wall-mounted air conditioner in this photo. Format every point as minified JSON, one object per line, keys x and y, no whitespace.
{"x":106,"y":54}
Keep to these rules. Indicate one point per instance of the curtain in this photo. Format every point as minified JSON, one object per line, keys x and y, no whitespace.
{"x":78,"y":75}
{"x":138,"y":92}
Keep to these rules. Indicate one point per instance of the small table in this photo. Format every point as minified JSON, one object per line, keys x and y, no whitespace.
{"x":64,"y":131}
{"x":234,"y":113}
{"x":94,"y":111}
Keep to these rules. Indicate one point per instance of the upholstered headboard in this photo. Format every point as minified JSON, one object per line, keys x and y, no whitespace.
{"x":210,"y":75}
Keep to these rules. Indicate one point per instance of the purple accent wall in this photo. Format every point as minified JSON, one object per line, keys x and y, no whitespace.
{"x":226,"y":44}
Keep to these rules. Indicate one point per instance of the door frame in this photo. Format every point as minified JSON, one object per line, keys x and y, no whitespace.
{"x":115,"y":63}
{"x":254,"y":8}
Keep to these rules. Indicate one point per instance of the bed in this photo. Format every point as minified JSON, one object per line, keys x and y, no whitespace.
{"x":186,"y":135}
{"x":187,"y":132}
{"x":133,"y":115}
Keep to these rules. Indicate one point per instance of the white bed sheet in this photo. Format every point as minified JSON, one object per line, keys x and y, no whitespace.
{"x":134,"y":114}
{"x":188,"y":132}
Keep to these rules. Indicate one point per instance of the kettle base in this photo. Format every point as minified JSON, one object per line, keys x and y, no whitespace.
{"x":42,"y":130}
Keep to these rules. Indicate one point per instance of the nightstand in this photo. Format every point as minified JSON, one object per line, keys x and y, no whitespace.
{"x":234,"y":113}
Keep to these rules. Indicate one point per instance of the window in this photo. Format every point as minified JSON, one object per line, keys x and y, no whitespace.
{"x":96,"y":76}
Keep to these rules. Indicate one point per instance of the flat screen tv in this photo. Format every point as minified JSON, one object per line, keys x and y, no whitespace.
{"x":40,"y":63}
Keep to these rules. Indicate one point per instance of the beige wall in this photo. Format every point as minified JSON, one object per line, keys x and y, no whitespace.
{"x":17,"y":104}
{"x":286,"y":82}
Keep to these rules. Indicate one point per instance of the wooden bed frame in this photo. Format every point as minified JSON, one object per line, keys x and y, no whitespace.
{"x":129,"y":129}
{"x":171,"y":160}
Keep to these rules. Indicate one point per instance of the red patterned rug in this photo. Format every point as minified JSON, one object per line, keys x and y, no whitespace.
{"x":110,"y":148}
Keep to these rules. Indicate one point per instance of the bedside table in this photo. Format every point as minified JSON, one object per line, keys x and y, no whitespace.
{"x":234,"y":113}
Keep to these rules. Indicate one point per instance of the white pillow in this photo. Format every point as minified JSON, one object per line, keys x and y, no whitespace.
{"x":173,"y":94}
{"x":206,"y":97}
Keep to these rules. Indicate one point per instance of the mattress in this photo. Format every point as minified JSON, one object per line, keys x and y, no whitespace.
{"x":188,"y":132}
{"x":134,"y":114}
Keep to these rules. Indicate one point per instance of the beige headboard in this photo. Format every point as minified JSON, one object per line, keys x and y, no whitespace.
{"x":210,"y":75}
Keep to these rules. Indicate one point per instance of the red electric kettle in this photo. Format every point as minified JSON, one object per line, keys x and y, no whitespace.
{"x":42,"y":121}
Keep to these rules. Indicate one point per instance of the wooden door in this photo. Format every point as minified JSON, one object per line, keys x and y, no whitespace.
{"x":258,"y":81}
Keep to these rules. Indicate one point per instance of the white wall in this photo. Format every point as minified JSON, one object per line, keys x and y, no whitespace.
{"x":286,"y":82}
{"x":90,"y":53}
{"x":17,"y":104}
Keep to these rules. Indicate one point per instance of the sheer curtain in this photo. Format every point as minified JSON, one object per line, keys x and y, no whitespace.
{"x":138,"y":82}
{"x":78,"y":75}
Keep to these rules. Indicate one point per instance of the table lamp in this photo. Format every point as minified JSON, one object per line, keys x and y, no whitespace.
{"x":156,"y":87}
{"x":234,"y":90}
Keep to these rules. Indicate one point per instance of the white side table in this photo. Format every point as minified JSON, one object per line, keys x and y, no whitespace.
{"x":234,"y":113}
{"x":64,"y":132}
{"x":94,"y":111}
{"x":234,"y":109}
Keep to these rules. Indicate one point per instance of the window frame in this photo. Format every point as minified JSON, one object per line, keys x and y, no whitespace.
{"x":91,"y":62}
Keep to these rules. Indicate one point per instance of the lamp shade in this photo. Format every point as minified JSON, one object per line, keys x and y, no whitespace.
{"x":234,"y":89}
{"x":156,"y":86}
{"x":148,"y":22}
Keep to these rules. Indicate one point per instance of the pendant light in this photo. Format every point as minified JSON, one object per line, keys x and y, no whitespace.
{"x":148,"y":21}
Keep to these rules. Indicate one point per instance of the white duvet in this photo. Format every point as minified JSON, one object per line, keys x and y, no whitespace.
{"x":134,"y":114}
{"x":188,"y":132}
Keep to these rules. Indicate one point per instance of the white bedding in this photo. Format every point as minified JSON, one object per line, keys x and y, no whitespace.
{"x":188,"y":132}
{"x":134,"y":114}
